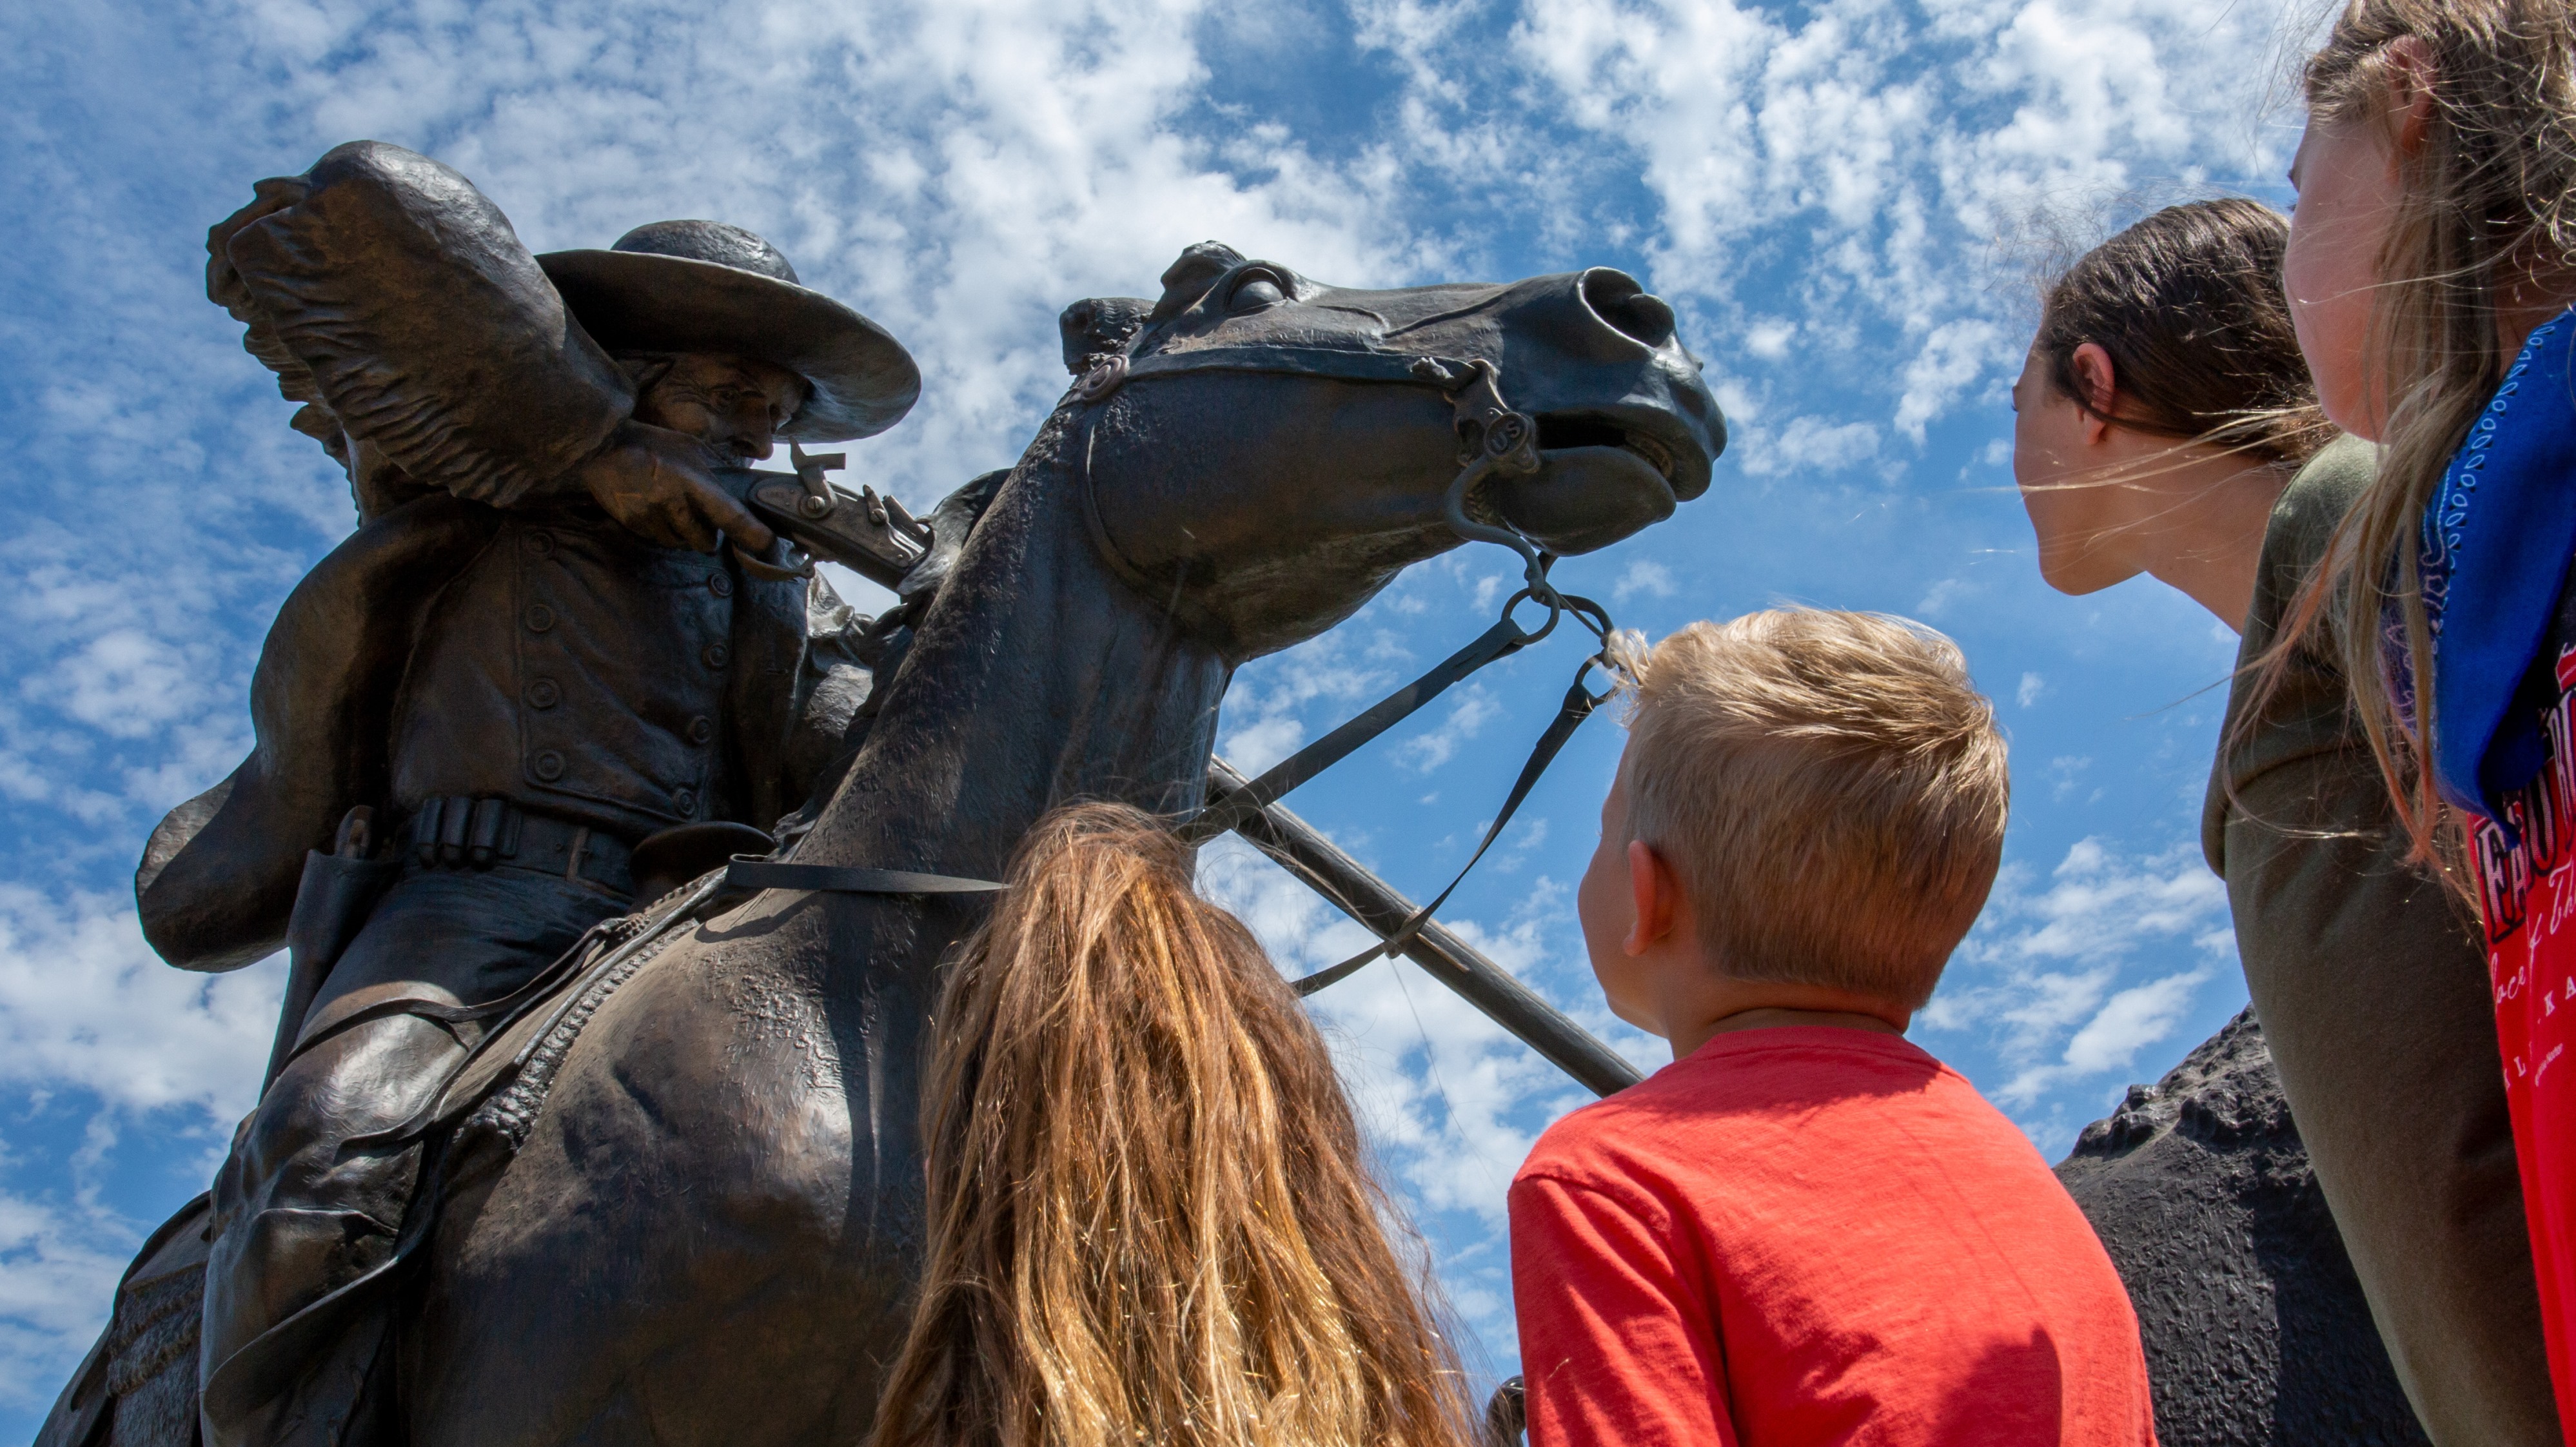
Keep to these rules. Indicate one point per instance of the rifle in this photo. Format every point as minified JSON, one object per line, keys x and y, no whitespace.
{"x":867,"y":532}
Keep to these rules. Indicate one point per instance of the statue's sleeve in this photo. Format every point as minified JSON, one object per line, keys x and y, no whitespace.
{"x":382,"y":286}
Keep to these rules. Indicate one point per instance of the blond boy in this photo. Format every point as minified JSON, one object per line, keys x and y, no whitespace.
{"x":1806,"y":1229}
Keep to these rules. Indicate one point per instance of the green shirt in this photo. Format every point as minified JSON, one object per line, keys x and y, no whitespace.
{"x":2372,"y":989}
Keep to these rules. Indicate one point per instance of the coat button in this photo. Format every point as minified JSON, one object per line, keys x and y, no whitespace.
{"x":548,"y":765}
{"x":720,"y":585}
{"x":715,"y":655}
{"x":542,"y":693}
{"x":540,"y":617}
{"x":541,"y":544}
{"x":701,"y":729}
{"x":685,"y":801}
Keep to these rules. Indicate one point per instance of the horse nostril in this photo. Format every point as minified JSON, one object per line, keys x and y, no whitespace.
{"x":1630,"y":309}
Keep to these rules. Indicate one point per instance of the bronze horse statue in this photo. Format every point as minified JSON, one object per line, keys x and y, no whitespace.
{"x":694,"y":1214}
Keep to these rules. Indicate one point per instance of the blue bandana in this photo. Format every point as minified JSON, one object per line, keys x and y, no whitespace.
{"x":2497,"y":538}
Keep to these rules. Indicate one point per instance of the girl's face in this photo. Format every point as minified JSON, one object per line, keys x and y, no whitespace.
{"x":2053,"y":467}
{"x":2346,"y":176}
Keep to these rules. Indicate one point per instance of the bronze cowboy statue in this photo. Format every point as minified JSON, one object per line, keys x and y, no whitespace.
{"x":558,"y":665}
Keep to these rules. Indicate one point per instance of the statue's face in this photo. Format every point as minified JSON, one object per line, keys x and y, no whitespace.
{"x":733,"y":404}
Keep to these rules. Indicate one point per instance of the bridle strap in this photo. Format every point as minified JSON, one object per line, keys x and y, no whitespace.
{"x":1340,"y":364}
{"x":748,"y":873}
{"x":1578,"y":706}
{"x":1502,"y":640}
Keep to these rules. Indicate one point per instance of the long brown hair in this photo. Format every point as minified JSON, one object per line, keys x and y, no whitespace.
{"x":1150,"y":1221}
{"x":2189,"y":305}
{"x":2488,"y":202}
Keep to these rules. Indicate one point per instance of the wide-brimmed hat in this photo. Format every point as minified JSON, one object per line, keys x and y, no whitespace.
{"x":703,"y":286}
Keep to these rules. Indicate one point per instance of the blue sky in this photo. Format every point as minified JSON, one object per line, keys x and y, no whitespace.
{"x":1838,"y":198}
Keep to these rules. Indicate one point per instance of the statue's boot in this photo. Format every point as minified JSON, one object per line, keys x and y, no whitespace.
{"x":308,"y":1209}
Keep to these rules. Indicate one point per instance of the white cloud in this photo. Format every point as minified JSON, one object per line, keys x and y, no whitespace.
{"x":1426,"y":751}
{"x":1952,"y":359}
{"x":1769,"y":337}
{"x":84,"y":1003}
{"x":2127,"y":1023}
{"x":2130,"y":1021}
{"x":129,"y":685}
{"x":2042,"y":970}
{"x":57,"y":1267}
{"x":86,"y":1007}
{"x":1256,"y":746}
{"x":1450,"y":1100}
{"x":1263,"y":720}
{"x":1301,"y":932}
{"x":1439,"y":1081}
{"x":1525,"y":838}
{"x":2101,"y":904}
{"x":1883,"y":147}
{"x":1936,"y":600}
{"x":1642,"y":575}
{"x":1808,"y":447}
{"x":2030,"y":689}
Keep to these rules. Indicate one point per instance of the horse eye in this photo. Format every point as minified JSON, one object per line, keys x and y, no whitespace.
{"x":1256,"y":292}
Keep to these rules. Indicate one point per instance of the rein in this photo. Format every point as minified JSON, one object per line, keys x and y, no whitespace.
{"x":1578,"y":706}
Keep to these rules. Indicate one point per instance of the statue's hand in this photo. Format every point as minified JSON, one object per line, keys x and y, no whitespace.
{"x":655,"y":482}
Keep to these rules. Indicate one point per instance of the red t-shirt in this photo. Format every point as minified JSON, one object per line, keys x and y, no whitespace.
{"x":2527,"y":896}
{"x":1812,"y":1235}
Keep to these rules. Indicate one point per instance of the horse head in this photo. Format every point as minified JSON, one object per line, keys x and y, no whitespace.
{"x":1261,"y":452}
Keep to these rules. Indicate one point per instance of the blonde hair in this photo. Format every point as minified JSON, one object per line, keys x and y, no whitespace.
{"x":2488,"y":201}
{"x":1149,"y":1218}
{"x":1830,"y":787}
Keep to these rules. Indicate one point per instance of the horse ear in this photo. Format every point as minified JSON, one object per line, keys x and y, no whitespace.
{"x":1188,"y":279}
{"x":1096,"y":326}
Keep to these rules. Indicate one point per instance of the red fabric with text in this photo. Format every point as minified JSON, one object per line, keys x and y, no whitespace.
{"x":2527,"y":898}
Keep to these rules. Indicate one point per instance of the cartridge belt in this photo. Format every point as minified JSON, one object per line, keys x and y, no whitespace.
{"x":457,"y":832}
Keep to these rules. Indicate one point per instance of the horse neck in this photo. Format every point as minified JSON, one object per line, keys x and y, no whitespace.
{"x":1036,"y":678}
